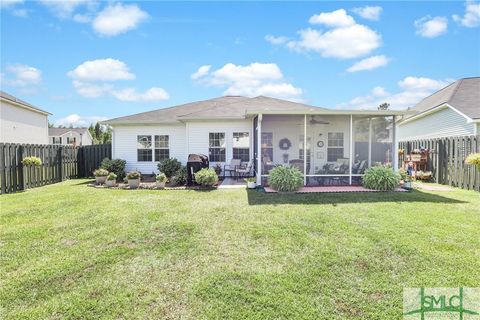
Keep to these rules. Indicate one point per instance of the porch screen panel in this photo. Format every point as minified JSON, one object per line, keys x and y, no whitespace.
{"x":361,"y":147}
{"x":216,"y":150}
{"x":382,"y":140}
{"x":241,"y":146}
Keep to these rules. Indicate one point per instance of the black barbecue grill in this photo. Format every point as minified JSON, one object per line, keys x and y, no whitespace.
{"x":195,"y":163}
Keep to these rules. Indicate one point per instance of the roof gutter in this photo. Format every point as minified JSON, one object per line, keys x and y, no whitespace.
{"x":338,"y":112}
{"x":436,"y":109}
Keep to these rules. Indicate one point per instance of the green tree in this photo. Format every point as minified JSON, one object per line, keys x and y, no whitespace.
{"x":384,"y":106}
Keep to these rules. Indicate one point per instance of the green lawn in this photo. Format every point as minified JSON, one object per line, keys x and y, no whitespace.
{"x":68,"y":251}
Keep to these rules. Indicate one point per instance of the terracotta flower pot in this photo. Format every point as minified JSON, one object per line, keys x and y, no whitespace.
{"x":101,"y":180}
{"x":134,"y":183}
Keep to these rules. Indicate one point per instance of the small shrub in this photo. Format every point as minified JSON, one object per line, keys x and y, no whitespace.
{"x":133,"y":175}
{"x":206,"y":177}
{"x":381,"y":178}
{"x":111,"y":176}
{"x":403,"y":174}
{"x":473,"y":159}
{"x":100,"y":173}
{"x":32,"y":161}
{"x":169,"y":167}
{"x":285,"y":178}
{"x":116,"y":166}
{"x":161,"y":177}
{"x":252,"y":179}
{"x":423,"y":175}
{"x":180,"y":176}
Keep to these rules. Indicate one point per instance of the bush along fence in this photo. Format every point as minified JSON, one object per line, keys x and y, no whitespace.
{"x":57,"y":164}
{"x":447,"y":159}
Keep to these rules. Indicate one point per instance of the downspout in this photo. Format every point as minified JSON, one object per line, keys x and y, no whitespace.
{"x":305,"y":150}
{"x":395,"y":145}
{"x":351,"y":151}
{"x":259,"y":149}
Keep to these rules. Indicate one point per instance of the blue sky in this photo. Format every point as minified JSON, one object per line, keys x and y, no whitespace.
{"x":89,"y":60}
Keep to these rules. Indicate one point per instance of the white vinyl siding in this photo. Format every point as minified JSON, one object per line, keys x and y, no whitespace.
{"x":125,"y":145}
{"x":198,"y":135}
{"x":443,"y":123}
{"x":20,"y":125}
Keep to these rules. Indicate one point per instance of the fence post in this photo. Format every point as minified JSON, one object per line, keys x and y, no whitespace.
{"x":20,"y":168}
{"x":60,"y":164}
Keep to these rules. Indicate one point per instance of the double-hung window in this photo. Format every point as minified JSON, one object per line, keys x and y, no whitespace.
{"x":72,"y":140}
{"x":144,"y":148}
{"x":216,"y":146}
{"x":162,"y":150}
{"x":57,"y":140}
{"x":335,"y":146}
{"x":241,"y":146}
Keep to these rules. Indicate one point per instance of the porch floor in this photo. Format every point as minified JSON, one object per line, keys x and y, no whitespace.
{"x":333,"y":189}
{"x":231,"y":183}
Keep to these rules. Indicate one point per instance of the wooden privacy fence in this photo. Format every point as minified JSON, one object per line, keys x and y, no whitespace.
{"x":447,"y":159}
{"x":58,"y":163}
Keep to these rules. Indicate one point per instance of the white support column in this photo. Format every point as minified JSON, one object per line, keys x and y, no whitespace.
{"x":395,"y":145}
{"x":259,"y":149}
{"x":305,"y":150}
{"x":369,"y":142}
{"x":351,"y":151}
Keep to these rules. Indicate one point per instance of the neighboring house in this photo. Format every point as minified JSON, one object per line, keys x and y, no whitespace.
{"x":21,"y":122}
{"x":339,"y":144}
{"x":70,"y":136}
{"x":451,"y":111}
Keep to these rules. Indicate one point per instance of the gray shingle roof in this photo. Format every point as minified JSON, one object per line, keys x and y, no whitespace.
{"x":7,"y":96}
{"x":228,"y":107}
{"x":463,"y":95}
{"x":59,"y":131}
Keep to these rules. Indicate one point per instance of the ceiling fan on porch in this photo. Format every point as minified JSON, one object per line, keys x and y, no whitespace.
{"x":313,"y":120}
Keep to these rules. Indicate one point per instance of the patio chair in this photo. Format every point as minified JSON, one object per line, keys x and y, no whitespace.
{"x":244,"y":171}
{"x":231,"y":167}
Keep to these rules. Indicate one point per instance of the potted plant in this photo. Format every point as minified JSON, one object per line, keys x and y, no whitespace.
{"x":100,"y":175}
{"x":111,"y":179}
{"x":407,"y":183}
{"x":32,"y":161}
{"x":473,"y":159}
{"x":251,"y":182}
{"x":160,"y":180}
{"x":133,"y":179}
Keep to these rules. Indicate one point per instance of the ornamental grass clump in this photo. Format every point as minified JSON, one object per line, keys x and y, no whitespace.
{"x":381,"y":178}
{"x":32,"y":161}
{"x":206,"y":177}
{"x":473,"y":159}
{"x":285,"y":179}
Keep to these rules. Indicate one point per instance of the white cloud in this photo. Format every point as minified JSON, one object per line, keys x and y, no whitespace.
{"x":77,"y":121}
{"x":345,"y":40}
{"x":412,"y":90}
{"x":94,"y":78}
{"x":251,"y":80}
{"x":118,"y":18}
{"x":429,"y":27}
{"x":335,"y":19}
{"x":343,"y":43}
{"x":276,"y":40}
{"x":9,"y":3}
{"x":471,"y":17}
{"x":369,"y":12}
{"x":131,"y":95}
{"x":203,"y":70}
{"x":369,"y":63}
{"x":101,"y":70}
{"x":22,"y":76}
{"x":65,"y":8}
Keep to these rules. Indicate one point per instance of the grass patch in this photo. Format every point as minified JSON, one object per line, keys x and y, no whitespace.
{"x":73,"y":252}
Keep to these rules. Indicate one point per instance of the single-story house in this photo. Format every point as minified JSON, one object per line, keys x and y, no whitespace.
{"x":21,"y":122}
{"x":70,"y":136}
{"x":451,"y":111}
{"x":328,"y":146}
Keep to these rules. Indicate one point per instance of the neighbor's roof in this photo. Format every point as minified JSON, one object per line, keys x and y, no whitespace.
{"x":228,"y":107}
{"x":463,"y":95}
{"x":22,"y":103}
{"x":61,"y":131}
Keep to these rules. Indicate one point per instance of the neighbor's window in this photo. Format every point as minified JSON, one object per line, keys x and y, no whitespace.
{"x":241,"y":146}
{"x":335,"y":146}
{"x":144,"y":148}
{"x":71,"y":140}
{"x":57,"y":140}
{"x":162,"y":150}
{"x":267,"y":146}
{"x":216,"y":143}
